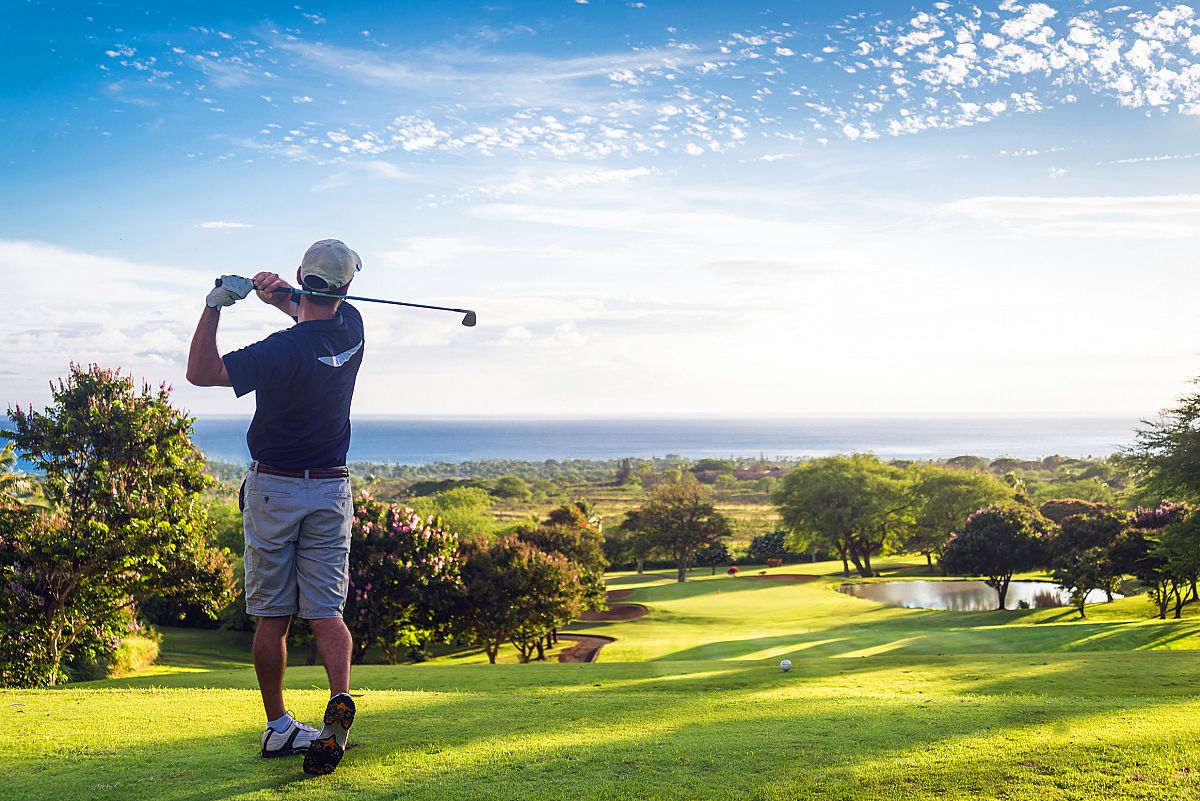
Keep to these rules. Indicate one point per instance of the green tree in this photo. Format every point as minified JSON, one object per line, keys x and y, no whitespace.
{"x":712,"y":555}
{"x":629,"y":542}
{"x":1081,"y":554}
{"x":944,"y":498}
{"x":123,"y":480}
{"x":512,"y":487}
{"x":567,"y":531}
{"x":404,"y":573}
{"x":464,"y":510}
{"x":995,"y":543}
{"x":772,"y":545}
{"x":1138,"y":552}
{"x":856,"y":506}
{"x":1179,"y":547}
{"x":1159,"y":550}
{"x":679,"y":519}
{"x":1059,"y":509}
{"x":511,"y":591}
{"x":1166,"y":452}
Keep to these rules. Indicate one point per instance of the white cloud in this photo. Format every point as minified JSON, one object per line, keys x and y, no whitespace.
{"x":1099,"y":216}
{"x":220,"y":225}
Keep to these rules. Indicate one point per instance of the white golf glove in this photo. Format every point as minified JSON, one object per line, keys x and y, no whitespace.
{"x":232,"y":289}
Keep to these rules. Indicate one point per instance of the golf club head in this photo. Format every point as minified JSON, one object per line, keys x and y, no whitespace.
{"x":469,"y":319}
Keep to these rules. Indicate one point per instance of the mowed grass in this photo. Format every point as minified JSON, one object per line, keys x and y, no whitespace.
{"x":881,"y":703}
{"x":747,"y":617}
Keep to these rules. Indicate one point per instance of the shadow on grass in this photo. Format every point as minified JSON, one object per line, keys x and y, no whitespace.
{"x":738,"y":732}
{"x":940,"y":633}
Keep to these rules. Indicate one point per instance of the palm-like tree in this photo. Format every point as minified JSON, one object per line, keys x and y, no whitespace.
{"x":14,"y":486}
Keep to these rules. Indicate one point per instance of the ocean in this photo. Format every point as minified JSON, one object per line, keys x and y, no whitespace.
{"x":402,"y":440}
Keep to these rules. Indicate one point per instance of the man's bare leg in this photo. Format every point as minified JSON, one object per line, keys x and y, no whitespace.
{"x":270,"y":662}
{"x":334,"y":644}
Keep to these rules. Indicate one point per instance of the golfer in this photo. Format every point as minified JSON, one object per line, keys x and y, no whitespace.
{"x":295,"y":501}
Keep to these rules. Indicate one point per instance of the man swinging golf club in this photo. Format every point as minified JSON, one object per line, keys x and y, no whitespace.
{"x":296,"y":502}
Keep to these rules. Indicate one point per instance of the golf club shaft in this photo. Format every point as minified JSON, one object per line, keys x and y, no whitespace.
{"x":291,"y":291}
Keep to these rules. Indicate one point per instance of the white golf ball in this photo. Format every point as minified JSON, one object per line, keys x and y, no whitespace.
{"x":786,"y":665}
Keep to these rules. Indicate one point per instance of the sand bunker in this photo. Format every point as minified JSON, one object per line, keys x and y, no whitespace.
{"x":585,"y":648}
{"x":616,"y":612}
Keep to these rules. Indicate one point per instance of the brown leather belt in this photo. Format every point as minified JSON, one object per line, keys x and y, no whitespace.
{"x":319,"y":472}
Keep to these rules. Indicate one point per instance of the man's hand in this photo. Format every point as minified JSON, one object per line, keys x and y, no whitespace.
{"x":232,"y":289}
{"x":266,"y":284}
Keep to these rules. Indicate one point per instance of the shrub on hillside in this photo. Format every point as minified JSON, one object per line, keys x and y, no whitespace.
{"x":1060,"y":509}
{"x":123,"y":524}
{"x":404,"y":572}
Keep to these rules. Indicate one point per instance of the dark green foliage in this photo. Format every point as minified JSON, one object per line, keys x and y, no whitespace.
{"x":1081,"y":554}
{"x":1166,"y":561}
{"x":678,"y":519}
{"x":856,"y":506}
{"x":404,"y":573}
{"x":718,"y":465}
{"x":513,"y":487}
{"x":1167,"y":451}
{"x":712,"y":555}
{"x":1060,"y":509}
{"x":628,"y":543}
{"x":420,"y":489}
{"x":942,"y":501}
{"x":120,"y":472}
{"x":968,"y":463}
{"x":511,"y":591}
{"x":566,"y":531}
{"x":772,"y":545}
{"x":995,"y":543}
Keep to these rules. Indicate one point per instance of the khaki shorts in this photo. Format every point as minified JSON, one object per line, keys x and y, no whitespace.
{"x":297,"y":545}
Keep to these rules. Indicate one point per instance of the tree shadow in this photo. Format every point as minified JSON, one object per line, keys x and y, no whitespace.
{"x":736,"y":731}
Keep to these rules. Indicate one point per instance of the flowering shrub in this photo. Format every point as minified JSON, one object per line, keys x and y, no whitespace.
{"x":403,"y":573}
{"x":996,"y":542}
{"x":1158,"y":519}
{"x":733,"y":570}
{"x":122,"y":522}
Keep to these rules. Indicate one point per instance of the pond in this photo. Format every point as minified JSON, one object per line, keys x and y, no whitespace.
{"x":966,"y":596}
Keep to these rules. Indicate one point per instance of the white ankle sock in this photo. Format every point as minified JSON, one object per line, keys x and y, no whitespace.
{"x":280,"y":725}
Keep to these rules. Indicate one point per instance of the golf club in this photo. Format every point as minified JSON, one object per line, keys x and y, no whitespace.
{"x":468,"y":315}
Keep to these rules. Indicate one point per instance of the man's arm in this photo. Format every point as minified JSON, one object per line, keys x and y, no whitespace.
{"x":205,"y":367}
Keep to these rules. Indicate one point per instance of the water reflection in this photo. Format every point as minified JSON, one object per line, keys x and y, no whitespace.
{"x":966,"y":596}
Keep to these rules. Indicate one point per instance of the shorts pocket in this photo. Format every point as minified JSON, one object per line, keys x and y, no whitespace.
{"x":268,"y":493}
{"x":338,"y":495}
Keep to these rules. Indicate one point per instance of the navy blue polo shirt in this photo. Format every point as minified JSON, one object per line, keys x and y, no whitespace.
{"x":304,"y":377}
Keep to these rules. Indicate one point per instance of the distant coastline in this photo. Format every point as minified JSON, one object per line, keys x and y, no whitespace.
{"x":423,"y":440}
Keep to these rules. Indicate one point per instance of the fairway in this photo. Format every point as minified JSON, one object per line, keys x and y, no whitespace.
{"x":688,"y":703}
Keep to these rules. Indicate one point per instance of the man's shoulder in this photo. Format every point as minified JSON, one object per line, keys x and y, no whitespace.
{"x":287,"y":340}
{"x":350,"y":313}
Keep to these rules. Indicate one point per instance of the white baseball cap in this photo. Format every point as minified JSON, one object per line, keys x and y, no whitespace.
{"x":328,"y":266}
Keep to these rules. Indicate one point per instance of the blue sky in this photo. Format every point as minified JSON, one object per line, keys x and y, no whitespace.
{"x":656,"y":207}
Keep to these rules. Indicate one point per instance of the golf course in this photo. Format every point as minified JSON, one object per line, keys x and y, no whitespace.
{"x":687,"y":702}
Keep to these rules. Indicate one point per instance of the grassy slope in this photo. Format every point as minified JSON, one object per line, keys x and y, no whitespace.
{"x":882,"y":703}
